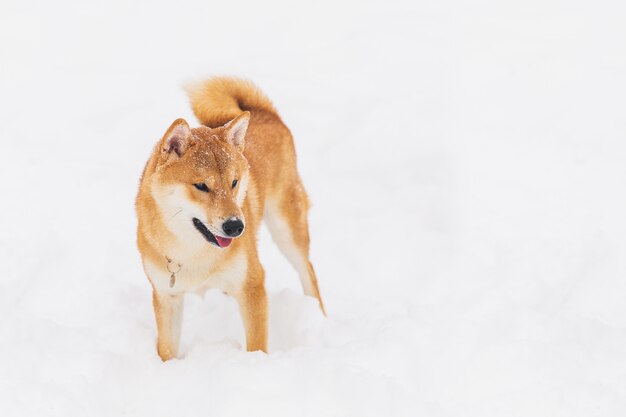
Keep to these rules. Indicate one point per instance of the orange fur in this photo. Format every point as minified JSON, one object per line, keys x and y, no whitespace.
{"x":216,"y":154}
{"x":221,"y":99}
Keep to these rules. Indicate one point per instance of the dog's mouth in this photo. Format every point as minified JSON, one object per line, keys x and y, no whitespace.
{"x":220,"y":242}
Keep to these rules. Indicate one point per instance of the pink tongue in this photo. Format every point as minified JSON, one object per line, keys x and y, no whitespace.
{"x":223,"y":241}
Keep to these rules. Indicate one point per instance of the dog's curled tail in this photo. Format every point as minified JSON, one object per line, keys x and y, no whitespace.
{"x":218,"y":100}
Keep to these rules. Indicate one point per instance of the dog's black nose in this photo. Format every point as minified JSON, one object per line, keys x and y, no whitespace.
{"x":233,"y":228}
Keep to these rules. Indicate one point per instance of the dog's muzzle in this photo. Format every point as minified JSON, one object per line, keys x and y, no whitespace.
{"x":220,"y":242}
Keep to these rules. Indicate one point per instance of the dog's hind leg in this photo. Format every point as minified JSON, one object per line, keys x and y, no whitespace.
{"x":168,"y":310}
{"x":286,"y":219}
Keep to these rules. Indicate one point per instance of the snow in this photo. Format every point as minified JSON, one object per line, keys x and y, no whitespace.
{"x":466,"y":168}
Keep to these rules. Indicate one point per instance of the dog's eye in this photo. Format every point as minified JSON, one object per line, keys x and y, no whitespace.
{"x":202,"y":187}
{"x":235,"y":183}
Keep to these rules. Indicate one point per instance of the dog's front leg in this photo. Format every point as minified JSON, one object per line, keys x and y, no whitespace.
{"x":253,"y":307}
{"x":168,"y":310}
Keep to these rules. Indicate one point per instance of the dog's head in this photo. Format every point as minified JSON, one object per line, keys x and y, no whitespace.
{"x":201,"y":180}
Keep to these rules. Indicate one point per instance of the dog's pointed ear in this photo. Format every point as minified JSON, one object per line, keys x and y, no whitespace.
{"x":235,"y":130}
{"x":176,"y":139}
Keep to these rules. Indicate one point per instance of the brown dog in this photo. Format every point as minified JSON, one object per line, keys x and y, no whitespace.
{"x":203,"y":194}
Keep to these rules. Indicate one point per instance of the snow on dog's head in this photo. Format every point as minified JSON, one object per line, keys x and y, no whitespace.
{"x":201,"y":179}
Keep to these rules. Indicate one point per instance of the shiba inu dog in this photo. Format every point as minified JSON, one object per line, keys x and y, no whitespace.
{"x":203,"y":194}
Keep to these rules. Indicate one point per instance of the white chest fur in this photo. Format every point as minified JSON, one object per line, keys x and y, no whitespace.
{"x":197,"y":275}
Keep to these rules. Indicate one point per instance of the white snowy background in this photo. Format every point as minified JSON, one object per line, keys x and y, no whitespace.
{"x":467,"y":167}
